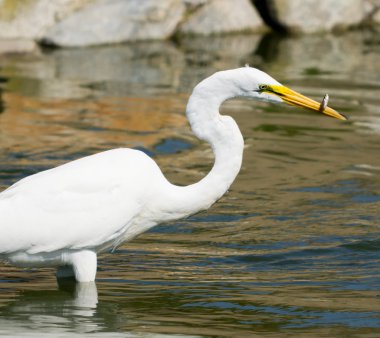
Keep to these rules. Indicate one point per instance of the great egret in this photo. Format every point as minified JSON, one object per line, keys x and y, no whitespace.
{"x":64,"y":216}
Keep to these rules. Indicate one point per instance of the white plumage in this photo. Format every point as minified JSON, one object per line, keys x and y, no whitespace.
{"x":64,"y":216}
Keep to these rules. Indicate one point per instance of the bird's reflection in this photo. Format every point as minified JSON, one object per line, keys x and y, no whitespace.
{"x":70,"y":308}
{"x":84,"y":296}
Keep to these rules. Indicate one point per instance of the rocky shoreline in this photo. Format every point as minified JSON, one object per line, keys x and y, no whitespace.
{"x":81,"y":23}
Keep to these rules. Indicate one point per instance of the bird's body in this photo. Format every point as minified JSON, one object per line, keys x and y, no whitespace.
{"x":63,"y":216}
{"x":71,"y":204}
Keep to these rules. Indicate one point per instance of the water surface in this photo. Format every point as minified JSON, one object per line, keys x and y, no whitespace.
{"x":293,"y":249}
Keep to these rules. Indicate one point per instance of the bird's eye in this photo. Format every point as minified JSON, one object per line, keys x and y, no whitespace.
{"x":263,"y":87}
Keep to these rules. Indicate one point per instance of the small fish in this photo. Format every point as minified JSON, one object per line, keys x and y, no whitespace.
{"x":324,"y":103}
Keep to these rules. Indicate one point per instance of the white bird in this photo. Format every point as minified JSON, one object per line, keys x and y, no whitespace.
{"x":64,"y":216}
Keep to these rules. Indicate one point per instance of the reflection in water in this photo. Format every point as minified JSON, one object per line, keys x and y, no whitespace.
{"x":70,"y":310}
{"x":292,"y":249}
{"x":71,"y":306}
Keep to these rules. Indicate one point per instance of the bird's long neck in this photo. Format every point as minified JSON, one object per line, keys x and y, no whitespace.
{"x":224,"y":136}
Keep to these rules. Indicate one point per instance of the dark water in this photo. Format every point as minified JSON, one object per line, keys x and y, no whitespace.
{"x":292,"y":250}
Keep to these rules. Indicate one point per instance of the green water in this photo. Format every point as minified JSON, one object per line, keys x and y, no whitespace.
{"x":293,"y":249}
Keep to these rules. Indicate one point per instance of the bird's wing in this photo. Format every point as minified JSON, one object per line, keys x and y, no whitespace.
{"x":84,"y":203}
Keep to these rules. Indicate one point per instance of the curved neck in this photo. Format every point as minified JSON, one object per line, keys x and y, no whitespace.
{"x":224,"y":136}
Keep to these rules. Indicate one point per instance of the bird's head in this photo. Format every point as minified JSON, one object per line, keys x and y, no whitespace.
{"x":261,"y":86}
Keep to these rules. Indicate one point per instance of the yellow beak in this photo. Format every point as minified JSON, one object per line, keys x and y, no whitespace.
{"x":296,"y":99}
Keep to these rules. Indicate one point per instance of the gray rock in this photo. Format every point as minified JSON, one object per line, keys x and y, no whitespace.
{"x":310,"y":16}
{"x":221,"y":16}
{"x":115,"y":21}
{"x":376,"y":17}
{"x":17,"y":46}
{"x":31,"y":19}
{"x":372,"y":10}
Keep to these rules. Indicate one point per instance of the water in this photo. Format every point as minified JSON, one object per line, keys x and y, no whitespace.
{"x":292,"y":250}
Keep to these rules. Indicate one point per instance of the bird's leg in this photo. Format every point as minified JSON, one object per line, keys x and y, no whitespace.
{"x":84,"y":265}
{"x":79,"y":264}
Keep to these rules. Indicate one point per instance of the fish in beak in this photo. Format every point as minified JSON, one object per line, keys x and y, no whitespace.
{"x":296,"y":99}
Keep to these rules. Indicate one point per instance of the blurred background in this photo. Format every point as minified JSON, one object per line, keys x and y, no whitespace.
{"x":293,"y":249}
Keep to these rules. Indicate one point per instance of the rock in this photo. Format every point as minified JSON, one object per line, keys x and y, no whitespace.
{"x":376,"y":17}
{"x":221,"y":16}
{"x":17,"y":46}
{"x":78,"y":23}
{"x":30,"y":19}
{"x":372,"y":10}
{"x":310,"y":16}
{"x":115,"y":21}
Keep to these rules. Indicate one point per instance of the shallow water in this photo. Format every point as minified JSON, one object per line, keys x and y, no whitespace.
{"x":292,"y":250}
